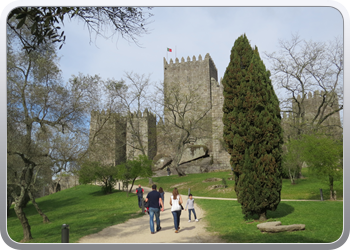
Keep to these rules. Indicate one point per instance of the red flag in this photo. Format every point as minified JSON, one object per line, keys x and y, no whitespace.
{"x":169,"y":50}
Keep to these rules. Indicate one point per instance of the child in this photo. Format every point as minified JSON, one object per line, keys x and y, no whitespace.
{"x":190,"y":204}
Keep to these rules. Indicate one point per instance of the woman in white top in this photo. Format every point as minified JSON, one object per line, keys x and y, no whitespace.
{"x":175,"y":202}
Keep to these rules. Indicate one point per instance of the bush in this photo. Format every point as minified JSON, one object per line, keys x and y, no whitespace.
{"x":224,"y":182}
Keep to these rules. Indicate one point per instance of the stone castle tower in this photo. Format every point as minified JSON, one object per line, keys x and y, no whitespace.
{"x":141,"y":135}
{"x":201,"y":75}
{"x":115,"y":138}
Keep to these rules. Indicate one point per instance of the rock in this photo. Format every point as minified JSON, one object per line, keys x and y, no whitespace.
{"x":193,"y":152}
{"x":276,"y":226}
{"x":212,"y":179}
{"x":197,"y":166}
{"x":215,"y":186}
{"x":162,"y":162}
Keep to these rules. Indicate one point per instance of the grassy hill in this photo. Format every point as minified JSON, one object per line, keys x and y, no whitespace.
{"x":307,"y":188}
{"x":87,"y":210}
{"x":84,"y":208}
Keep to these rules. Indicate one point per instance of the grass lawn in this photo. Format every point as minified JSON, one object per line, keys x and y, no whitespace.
{"x":323,"y":221}
{"x":87,"y":210}
{"x":305,"y":189}
{"x":84,"y":208}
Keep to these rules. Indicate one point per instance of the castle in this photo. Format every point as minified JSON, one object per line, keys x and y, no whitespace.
{"x":124,"y":137}
{"x":312,"y":109}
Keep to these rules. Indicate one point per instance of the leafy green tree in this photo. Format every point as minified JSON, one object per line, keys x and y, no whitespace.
{"x":94,"y":171}
{"x":252,"y":130}
{"x":324,"y":157}
{"x":132,"y":169}
{"x":41,"y":108}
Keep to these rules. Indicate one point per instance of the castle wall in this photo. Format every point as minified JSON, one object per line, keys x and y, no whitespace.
{"x":118,"y":140}
{"x":220,"y":156}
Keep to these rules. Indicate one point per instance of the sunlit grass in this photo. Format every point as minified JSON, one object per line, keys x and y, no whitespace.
{"x":323,"y":221}
{"x":305,"y":189}
{"x":84,"y":208}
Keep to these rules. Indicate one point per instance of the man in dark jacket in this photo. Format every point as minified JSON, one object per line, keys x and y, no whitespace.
{"x":139,"y":192}
{"x":154,"y":200}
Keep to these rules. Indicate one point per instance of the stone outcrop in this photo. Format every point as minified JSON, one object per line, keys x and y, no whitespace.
{"x":194,"y":152}
{"x":212,"y":179}
{"x":161,"y":163}
{"x":201,"y":165}
{"x":276,"y":227}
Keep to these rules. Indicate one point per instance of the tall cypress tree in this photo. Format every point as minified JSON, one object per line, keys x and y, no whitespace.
{"x":252,"y":130}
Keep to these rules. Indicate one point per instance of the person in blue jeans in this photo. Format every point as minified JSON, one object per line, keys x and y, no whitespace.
{"x":154,"y":200}
{"x":139,"y":192}
{"x":190,"y":204}
{"x":175,"y":202}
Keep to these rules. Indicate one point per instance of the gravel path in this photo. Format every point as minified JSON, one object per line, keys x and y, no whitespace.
{"x":137,"y":230}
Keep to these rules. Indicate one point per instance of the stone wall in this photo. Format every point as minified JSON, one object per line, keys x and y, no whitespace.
{"x":220,"y":156}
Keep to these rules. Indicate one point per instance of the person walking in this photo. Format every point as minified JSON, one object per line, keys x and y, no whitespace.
{"x":168,"y":170}
{"x":155,"y":201}
{"x":139,"y":192}
{"x":161,"y":191}
{"x":175,"y":202}
{"x":190,"y":204}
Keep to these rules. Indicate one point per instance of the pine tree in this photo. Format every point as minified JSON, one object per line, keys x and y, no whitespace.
{"x":252,"y":130}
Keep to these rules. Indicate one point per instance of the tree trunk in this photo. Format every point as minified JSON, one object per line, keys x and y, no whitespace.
{"x":263,"y":216}
{"x":132,"y":184}
{"x":45,"y":219}
{"x":9,"y":203}
{"x":331,"y":187}
{"x":27,"y":235}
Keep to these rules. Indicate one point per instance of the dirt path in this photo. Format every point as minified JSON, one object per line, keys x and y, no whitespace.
{"x":138,"y":230}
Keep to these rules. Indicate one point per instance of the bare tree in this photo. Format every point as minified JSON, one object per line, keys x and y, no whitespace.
{"x":302,"y":67}
{"x":186,"y":118}
{"x":133,"y":102}
{"x":46,"y":23}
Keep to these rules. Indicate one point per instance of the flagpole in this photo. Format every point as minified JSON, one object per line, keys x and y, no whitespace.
{"x":175,"y":51}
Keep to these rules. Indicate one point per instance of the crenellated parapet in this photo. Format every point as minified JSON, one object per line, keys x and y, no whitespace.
{"x":139,"y":114}
{"x":189,"y":64}
{"x":171,"y":63}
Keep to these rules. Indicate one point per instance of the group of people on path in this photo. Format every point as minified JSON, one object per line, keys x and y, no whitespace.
{"x":155,"y":201}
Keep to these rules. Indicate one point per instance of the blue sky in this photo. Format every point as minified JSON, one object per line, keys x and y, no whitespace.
{"x":194,"y":31}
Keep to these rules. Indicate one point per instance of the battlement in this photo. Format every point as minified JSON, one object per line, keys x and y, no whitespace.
{"x":316,"y":94}
{"x":177,"y":62}
{"x":144,"y":114}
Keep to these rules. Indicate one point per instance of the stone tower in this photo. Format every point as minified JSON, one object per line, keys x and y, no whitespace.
{"x":115,"y":138}
{"x":201,"y":75}
{"x":107,"y":137}
{"x":141,"y":135}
